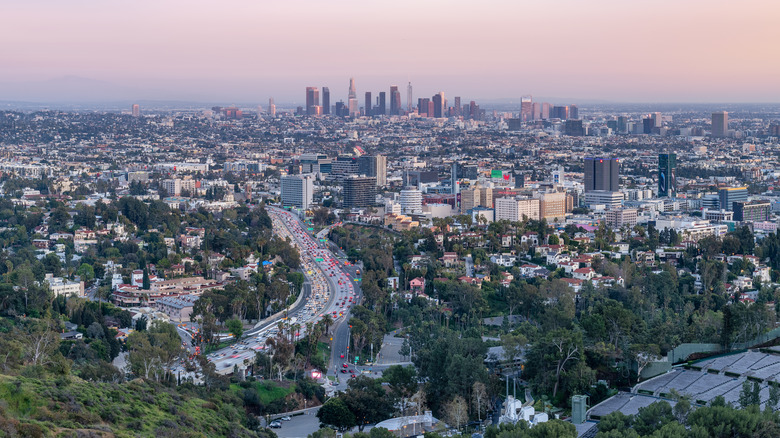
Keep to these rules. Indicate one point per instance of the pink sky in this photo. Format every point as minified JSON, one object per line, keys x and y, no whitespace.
{"x":624,"y":50}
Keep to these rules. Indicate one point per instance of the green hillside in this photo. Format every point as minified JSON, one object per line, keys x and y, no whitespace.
{"x":73,"y":407}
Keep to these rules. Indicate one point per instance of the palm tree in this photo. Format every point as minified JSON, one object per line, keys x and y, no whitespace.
{"x":327,"y":320}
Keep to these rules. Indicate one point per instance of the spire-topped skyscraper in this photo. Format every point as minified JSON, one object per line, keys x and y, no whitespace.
{"x":409,"y":97}
{"x":354,"y":110}
{"x":352,"y":90}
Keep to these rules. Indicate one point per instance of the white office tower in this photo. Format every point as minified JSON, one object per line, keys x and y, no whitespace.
{"x":298,"y":191}
{"x":558,"y":176}
{"x":513,"y":209}
{"x":411,"y":201}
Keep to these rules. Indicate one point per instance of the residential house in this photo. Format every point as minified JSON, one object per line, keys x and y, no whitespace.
{"x":585,"y":274}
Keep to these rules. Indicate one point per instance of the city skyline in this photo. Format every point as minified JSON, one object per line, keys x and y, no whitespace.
{"x":249,"y":52}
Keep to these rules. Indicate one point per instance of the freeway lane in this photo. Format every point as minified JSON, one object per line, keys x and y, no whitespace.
{"x":331,"y":291}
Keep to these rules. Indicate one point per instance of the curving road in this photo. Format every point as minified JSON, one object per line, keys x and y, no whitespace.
{"x":328,"y":290}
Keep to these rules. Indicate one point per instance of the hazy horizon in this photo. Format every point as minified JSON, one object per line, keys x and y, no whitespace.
{"x":605,"y":50}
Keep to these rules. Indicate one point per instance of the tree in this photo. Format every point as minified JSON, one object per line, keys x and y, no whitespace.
{"x":325,"y":432}
{"x":479,"y":397}
{"x":513,"y":297}
{"x":774,"y":397}
{"x":153,"y":352}
{"x":327,"y":320}
{"x":644,"y":355}
{"x":402,"y":381}
{"x":615,"y":421}
{"x":456,"y":412}
{"x":564,"y":348}
{"x":86,"y":273}
{"x":146,"y":284}
{"x":334,"y":413}
{"x":235,"y":327}
{"x":368,"y":401}
{"x":552,"y":429}
{"x":653,"y":417}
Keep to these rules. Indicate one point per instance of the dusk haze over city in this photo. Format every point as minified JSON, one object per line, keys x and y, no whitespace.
{"x":409,"y":219}
{"x":608,"y":50}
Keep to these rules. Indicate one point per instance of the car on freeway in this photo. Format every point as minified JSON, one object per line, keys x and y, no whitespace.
{"x":276,"y":424}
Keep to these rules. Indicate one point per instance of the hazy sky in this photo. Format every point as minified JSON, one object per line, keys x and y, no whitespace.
{"x":246,"y":50}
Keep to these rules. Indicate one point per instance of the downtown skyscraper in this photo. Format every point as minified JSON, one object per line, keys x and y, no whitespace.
{"x":395,"y":100}
{"x":602,"y":174}
{"x":667,"y":163}
{"x":313,"y":101}
{"x":352,"y":102}
{"x":720,"y":124}
{"x":325,"y":100}
{"x":438,"y":105}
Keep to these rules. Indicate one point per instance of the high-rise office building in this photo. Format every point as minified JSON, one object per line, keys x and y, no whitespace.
{"x":315,"y":163}
{"x":526,"y":108}
{"x":422,"y":106}
{"x":312,"y":100}
{"x":552,"y":206}
{"x":409,"y":97}
{"x":382,"y":105}
{"x":438,"y":104}
{"x":754,"y":211}
{"x":340,"y":109}
{"x":352,"y":89}
{"x":720,"y":124}
{"x":574,"y":128}
{"x":359,"y":191}
{"x":454,"y":185}
{"x":352,"y":102}
{"x":373,"y":165}
{"x":476,"y":196}
{"x":658,"y":120}
{"x":416,"y":177}
{"x":729,"y":195}
{"x":297,"y":191}
{"x":574,"y":112}
{"x":395,"y":100}
{"x":381,"y":170}
{"x":469,"y":198}
{"x":647,"y":125}
{"x":667,"y":183}
{"x":368,"y":103}
{"x":602,"y":174}
{"x":622,"y":124}
{"x":271,"y":107}
{"x":136,"y":110}
{"x":560,"y":112}
{"x":325,"y":100}
{"x":458,"y":108}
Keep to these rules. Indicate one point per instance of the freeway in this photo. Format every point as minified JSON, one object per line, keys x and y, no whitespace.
{"x":330,"y":291}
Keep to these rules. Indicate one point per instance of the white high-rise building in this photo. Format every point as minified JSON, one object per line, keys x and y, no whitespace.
{"x":411,"y":201}
{"x":381,"y":170}
{"x":513,"y":209}
{"x":297,"y":191}
{"x":172,"y":186}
